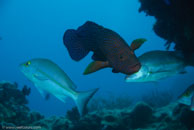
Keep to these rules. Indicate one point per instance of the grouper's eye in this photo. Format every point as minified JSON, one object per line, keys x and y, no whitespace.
{"x":27,"y":63}
{"x":121,"y":57}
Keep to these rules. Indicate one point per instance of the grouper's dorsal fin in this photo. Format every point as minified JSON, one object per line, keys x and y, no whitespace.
{"x":74,"y":45}
{"x":137,"y":43}
{"x":95,"y":66}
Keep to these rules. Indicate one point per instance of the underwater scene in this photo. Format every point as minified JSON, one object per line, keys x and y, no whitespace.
{"x":96,"y":65}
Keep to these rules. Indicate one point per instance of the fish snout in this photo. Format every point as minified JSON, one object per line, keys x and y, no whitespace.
{"x":127,"y":78}
{"x":134,"y":68}
{"x":20,"y":66}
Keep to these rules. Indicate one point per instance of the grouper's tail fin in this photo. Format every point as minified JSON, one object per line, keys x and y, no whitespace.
{"x":83,"y":98}
{"x":74,"y":45}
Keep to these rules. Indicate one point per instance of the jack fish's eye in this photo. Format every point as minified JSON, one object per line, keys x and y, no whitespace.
{"x":27,"y":63}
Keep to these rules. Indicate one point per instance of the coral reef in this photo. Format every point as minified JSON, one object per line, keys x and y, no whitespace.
{"x":13,"y":109}
{"x":14,"y":113}
{"x":112,"y":102}
{"x":158,"y":98}
{"x":174,"y":22}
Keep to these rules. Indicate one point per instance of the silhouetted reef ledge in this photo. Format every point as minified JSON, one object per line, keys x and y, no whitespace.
{"x":14,"y":112}
{"x":174,"y":22}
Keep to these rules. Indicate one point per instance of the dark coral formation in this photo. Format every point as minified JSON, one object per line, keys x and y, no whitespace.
{"x":15,"y":113}
{"x":157,"y":98}
{"x":111,"y":102}
{"x":174,"y":22}
{"x":13,"y":109}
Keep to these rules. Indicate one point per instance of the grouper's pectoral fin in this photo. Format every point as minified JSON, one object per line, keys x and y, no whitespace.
{"x":95,"y":66}
{"x":137,"y":43}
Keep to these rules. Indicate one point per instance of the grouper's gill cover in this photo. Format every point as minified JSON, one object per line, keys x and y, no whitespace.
{"x":49,"y":77}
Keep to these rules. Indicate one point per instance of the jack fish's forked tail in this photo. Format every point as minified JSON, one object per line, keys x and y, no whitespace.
{"x":83,"y":98}
{"x":74,"y":45}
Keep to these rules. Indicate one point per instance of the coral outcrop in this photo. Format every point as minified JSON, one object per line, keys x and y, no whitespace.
{"x":14,"y":113}
{"x":174,"y":22}
{"x":13,"y":109}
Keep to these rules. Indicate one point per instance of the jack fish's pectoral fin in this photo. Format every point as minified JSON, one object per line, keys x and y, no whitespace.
{"x":40,"y":77}
{"x":95,"y":66}
{"x":137,"y":43}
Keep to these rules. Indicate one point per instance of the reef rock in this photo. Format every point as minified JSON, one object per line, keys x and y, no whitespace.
{"x":15,"y":113}
{"x":174,"y":22}
{"x":13,"y":109}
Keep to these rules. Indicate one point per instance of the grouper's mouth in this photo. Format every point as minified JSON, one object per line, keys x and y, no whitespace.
{"x":134,"y":68}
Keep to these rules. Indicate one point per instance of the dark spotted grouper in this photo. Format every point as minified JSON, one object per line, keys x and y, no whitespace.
{"x":110,"y":50}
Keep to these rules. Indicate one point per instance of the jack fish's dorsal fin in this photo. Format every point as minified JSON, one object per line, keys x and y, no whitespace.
{"x":95,"y":66}
{"x":137,"y":43}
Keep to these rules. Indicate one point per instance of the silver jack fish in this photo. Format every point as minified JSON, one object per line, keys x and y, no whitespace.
{"x":49,"y":77}
{"x":187,"y":97}
{"x":158,"y":65}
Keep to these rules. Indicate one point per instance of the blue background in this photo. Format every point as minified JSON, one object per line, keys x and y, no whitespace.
{"x":34,"y":28}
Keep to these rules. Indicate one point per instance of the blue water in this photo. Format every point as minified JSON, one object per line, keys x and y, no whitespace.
{"x":34,"y":28}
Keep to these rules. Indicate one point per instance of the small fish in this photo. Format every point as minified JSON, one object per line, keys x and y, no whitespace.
{"x":1,"y":38}
{"x":49,"y":77}
{"x":109,"y":49}
{"x":156,"y":65}
{"x":187,"y":97}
